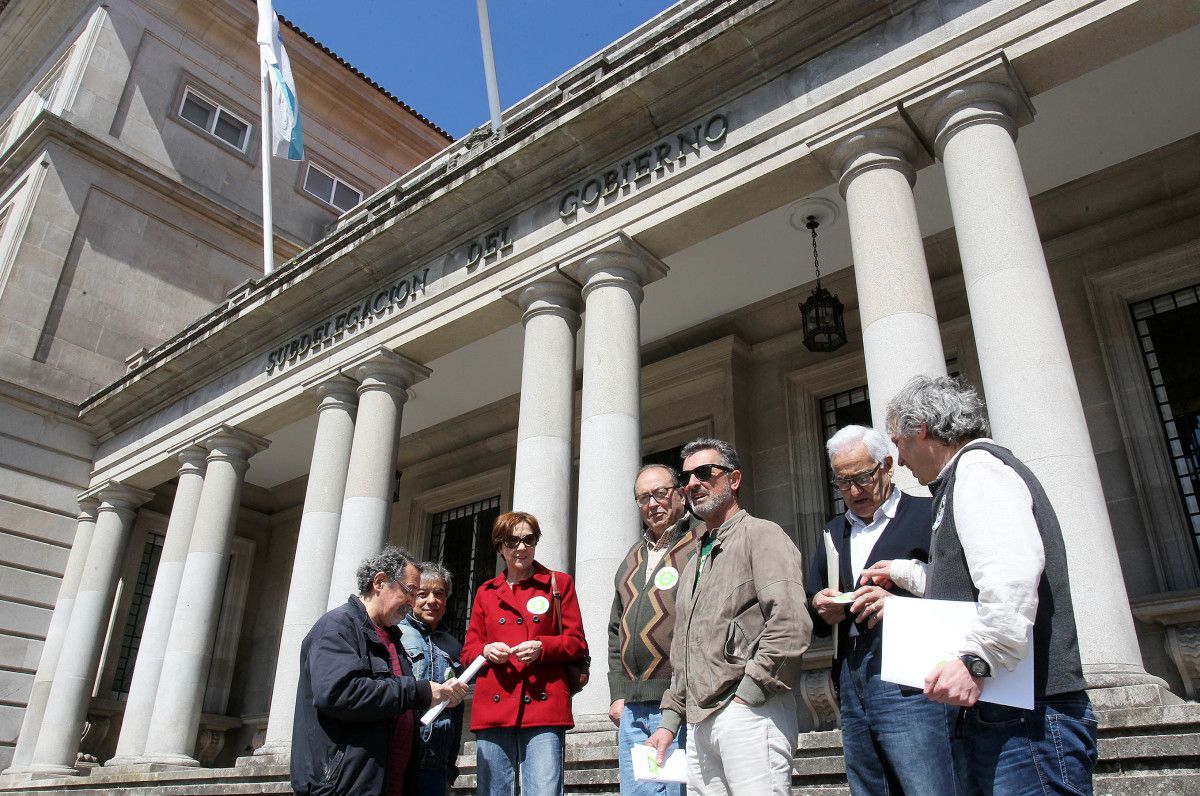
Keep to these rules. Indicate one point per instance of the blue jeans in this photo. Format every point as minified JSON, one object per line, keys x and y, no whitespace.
{"x":533,"y":753}
{"x":894,"y":741}
{"x":1013,"y":752}
{"x":638,"y":720}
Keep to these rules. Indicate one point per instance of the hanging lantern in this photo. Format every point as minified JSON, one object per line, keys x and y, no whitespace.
{"x":823,"y":314}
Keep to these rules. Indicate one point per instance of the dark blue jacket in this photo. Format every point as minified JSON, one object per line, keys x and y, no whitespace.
{"x":347,"y":701}
{"x":906,"y":536}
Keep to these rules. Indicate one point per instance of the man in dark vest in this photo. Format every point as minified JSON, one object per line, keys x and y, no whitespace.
{"x":643,"y":617}
{"x":895,"y":740}
{"x":996,"y":540}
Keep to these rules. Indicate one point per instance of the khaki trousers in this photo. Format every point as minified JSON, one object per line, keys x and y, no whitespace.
{"x":743,"y":751}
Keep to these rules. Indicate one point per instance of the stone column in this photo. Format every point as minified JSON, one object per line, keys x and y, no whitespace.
{"x":545,"y":432}
{"x":75,"y":675}
{"x":363,"y":526}
{"x":895,"y":301}
{"x":610,"y":444}
{"x":308,"y":590}
{"x":175,"y":721}
{"x":56,"y":635}
{"x":146,"y":673}
{"x":1032,"y":398}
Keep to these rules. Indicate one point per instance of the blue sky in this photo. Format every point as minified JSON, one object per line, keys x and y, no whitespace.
{"x":427,"y":52}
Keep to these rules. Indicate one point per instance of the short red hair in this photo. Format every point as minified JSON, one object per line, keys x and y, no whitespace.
{"x":508,"y":522}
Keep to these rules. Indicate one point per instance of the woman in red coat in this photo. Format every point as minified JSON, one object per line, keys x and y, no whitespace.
{"x":522,"y":707}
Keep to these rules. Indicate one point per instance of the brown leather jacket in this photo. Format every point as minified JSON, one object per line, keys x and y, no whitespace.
{"x":743,"y":628}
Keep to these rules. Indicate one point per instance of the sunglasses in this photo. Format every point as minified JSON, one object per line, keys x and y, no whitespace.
{"x":513,"y":542}
{"x":704,"y":472}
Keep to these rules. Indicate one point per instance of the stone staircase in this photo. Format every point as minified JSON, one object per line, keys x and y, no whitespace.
{"x":1144,"y":751}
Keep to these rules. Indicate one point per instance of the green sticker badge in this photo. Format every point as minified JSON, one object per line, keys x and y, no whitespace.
{"x":538,"y":605}
{"x":666,"y":578}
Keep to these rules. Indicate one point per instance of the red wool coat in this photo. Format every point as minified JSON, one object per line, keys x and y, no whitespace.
{"x":514,"y":694}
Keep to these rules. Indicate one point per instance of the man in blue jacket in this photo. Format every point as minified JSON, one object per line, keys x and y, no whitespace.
{"x":356,"y":700}
{"x":895,"y":740}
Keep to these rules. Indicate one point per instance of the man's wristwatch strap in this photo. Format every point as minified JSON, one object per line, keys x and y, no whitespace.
{"x":977,"y":666}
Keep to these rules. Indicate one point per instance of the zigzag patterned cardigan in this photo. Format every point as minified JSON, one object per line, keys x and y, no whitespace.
{"x":643,"y":619}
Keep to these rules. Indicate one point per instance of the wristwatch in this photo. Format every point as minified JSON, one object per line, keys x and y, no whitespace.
{"x":977,"y":666}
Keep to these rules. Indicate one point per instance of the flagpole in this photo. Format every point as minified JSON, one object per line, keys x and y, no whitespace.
{"x":265,"y":127}
{"x":489,"y":66}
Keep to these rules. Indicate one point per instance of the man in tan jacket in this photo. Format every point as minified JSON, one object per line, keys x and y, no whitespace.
{"x":740,"y":629}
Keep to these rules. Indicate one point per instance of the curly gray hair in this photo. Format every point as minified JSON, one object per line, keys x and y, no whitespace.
{"x":391,"y":561}
{"x":849,"y":436}
{"x":432,"y":570}
{"x":949,"y":409}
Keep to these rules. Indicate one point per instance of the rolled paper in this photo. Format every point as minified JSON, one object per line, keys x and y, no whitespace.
{"x":466,"y":677}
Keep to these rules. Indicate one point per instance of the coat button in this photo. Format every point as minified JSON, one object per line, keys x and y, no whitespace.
{"x":526,"y":699}
{"x":537,"y":619}
{"x":542,"y":697}
{"x":495,"y":697}
{"x":520,"y":621}
{"x":501,"y":620}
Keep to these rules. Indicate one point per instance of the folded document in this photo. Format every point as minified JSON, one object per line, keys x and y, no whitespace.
{"x":646,"y":767}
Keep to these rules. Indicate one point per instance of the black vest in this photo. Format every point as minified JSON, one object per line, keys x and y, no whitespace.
{"x":1056,"y":665}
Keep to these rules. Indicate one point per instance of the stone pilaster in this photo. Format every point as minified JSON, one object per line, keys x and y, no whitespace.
{"x":1033,"y":400}
{"x":308,"y":590}
{"x":610,"y":443}
{"x":895,"y":301}
{"x":67,"y":705}
{"x":56,"y":635}
{"x":383,"y":379}
{"x":175,"y":720}
{"x":146,"y":673}
{"x":545,"y":432}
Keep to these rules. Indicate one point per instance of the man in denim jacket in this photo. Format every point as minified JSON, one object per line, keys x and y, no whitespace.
{"x":434,"y":655}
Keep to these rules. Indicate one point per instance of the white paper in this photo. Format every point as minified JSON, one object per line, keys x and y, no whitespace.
{"x":832,"y":575}
{"x":918,"y":635}
{"x":466,"y":677}
{"x":646,"y":767}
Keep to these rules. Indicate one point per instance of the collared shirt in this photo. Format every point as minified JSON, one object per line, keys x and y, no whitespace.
{"x":993,"y":513}
{"x":864,"y":535}
{"x":656,"y":550}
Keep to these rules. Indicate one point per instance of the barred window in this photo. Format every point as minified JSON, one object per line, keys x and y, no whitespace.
{"x":461,"y":540}
{"x":1166,"y":328}
{"x":131,"y":639}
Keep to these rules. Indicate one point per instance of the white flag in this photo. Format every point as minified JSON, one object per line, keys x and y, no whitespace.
{"x":286,"y":139}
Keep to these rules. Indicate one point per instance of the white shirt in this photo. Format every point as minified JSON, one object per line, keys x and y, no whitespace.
{"x":864,"y":535}
{"x":993,"y":514}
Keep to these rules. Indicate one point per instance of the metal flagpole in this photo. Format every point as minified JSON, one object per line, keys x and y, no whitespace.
{"x":489,"y":66}
{"x":268,"y":223}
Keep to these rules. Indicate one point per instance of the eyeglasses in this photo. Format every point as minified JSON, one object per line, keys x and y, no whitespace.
{"x":513,"y":542}
{"x":704,"y":472}
{"x":858,"y":479}
{"x":659,"y":495}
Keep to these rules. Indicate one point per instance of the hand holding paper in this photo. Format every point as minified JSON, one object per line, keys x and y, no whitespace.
{"x":465,"y":678}
{"x":646,"y":767}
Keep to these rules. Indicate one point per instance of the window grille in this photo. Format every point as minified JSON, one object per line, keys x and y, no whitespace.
{"x":131,"y":639}
{"x":1166,"y":328}
{"x":461,"y":540}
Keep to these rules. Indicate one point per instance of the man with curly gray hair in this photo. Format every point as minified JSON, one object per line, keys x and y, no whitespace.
{"x":355,"y":726}
{"x":996,"y":541}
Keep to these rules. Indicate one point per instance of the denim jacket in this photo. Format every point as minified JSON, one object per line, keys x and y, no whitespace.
{"x":432,"y":655}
